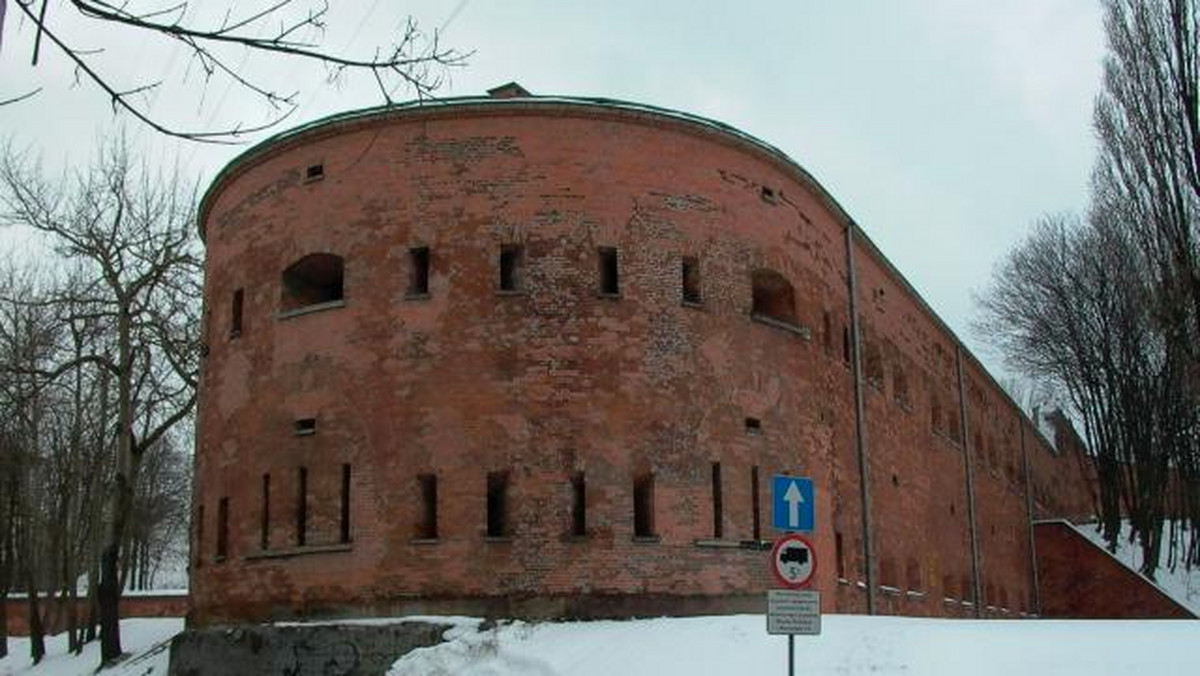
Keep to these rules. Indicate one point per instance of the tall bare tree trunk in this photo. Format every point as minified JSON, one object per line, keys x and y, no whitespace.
{"x":6,"y":565}
{"x":109,"y":595}
{"x":37,"y":638}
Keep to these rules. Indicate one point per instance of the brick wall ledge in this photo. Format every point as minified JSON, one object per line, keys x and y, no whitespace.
{"x":719,"y":543}
{"x":309,"y":309}
{"x":298,"y":551}
{"x":800,"y":331}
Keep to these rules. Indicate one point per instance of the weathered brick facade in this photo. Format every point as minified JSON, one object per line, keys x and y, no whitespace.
{"x":579,"y":379}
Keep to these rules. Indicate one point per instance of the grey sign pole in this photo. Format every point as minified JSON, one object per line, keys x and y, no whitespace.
{"x":792,"y":612}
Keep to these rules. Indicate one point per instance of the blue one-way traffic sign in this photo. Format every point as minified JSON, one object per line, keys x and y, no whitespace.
{"x":792,"y":504}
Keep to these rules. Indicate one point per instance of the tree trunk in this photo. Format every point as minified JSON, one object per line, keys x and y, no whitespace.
{"x":109,"y":592}
{"x":110,"y":558}
{"x":74,"y":644}
{"x":3,"y":622}
{"x":37,"y":638}
{"x":6,"y":560}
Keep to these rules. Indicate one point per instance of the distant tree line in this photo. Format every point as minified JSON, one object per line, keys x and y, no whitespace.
{"x":99,"y":352}
{"x":1105,"y":307}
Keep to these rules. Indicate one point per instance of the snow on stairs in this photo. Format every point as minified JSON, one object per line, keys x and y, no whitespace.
{"x":1079,"y":579}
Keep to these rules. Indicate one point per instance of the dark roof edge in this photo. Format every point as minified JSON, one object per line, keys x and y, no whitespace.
{"x":607,"y":104}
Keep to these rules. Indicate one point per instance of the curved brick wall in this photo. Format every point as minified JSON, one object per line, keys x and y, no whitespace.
{"x":557,"y":382}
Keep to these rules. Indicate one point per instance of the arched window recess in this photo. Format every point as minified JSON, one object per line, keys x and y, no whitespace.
{"x":774,"y":301}
{"x":312,"y":283}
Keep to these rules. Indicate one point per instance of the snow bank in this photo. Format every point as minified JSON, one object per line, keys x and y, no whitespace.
{"x":849,"y":645}
{"x":146,"y":639}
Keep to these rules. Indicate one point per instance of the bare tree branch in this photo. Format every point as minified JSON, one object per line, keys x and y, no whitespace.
{"x":414,"y":61}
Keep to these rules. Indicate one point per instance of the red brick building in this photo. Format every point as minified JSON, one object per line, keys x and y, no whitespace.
{"x":542,"y":355}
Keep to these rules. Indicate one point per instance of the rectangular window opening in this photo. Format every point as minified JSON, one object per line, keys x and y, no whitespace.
{"x":913,"y":575}
{"x":610,"y":284}
{"x":643,"y":506}
{"x":948,"y":589}
{"x":840,"y":555}
{"x":578,"y":505}
{"x":427,"y":527}
{"x":344,"y":531}
{"x":235,"y":311}
{"x":497,"y":504}
{"x":753,"y":426}
{"x":691,"y":280}
{"x":511,"y":259}
{"x":200,"y":536}
{"x":718,"y":517}
{"x":827,"y":333}
{"x":418,"y":279}
{"x":304,"y":426}
{"x":874,"y":366}
{"x":846,"y":344}
{"x":887,"y":573}
{"x":222,"y":528}
{"x":955,"y":432}
{"x":314,"y":172}
{"x":264,"y":536}
{"x":756,"y":515}
{"x":900,"y":386}
{"x":301,"y":506}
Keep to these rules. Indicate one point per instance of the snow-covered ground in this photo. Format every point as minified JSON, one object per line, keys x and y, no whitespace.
{"x":146,"y":639}
{"x":739,"y":644}
{"x":1183,"y":585}
{"x":699,"y":646}
{"x":848,"y":644}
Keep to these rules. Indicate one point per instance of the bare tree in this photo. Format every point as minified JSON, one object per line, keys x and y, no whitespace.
{"x":133,"y":230}
{"x":27,"y":341}
{"x":160,"y":514}
{"x":1071,"y":307}
{"x":220,"y":43}
{"x":1147,"y":184}
{"x":1108,"y":309}
{"x":1148,"y":172}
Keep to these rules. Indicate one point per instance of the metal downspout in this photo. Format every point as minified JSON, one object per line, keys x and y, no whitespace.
{"x":860,"y":427}
{"x":1033,"y":569}
{"x":968,"y":464}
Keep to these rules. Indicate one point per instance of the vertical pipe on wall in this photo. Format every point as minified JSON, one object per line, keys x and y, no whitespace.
{"x":860,"y":426}
{"x":1027,"y":470}
{"x":969,"y":468}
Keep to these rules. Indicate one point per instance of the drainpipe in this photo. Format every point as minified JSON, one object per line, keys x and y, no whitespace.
{"x":968,"y":465}
{"x":1026,"y":469}
{"x":860,"y":427}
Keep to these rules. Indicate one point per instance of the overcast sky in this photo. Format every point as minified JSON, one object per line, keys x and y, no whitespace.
{"x":944,"y":127}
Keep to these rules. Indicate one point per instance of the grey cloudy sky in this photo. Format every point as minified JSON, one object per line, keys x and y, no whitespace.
{"x":944,"y":127}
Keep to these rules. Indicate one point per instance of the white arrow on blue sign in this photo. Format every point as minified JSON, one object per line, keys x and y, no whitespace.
{"x":792,"y":504}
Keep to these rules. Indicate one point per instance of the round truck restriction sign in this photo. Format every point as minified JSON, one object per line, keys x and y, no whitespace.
{"x":793,"y":561}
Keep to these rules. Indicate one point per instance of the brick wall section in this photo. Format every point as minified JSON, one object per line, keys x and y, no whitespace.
{"x":555,"y":380}
{"x":54,"y":614}
{"x":1081,"y":580}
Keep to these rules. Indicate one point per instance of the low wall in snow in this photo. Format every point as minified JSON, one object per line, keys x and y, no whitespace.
{"x":1080,"y":580}
{"x":299,"y":649}
{"x":56,"y":617}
